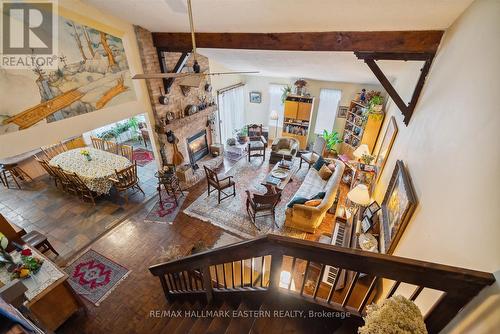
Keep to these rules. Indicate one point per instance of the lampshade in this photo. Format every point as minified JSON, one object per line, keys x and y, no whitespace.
{"x":274,"y":115}
{"x":359,"y":195}
{"x":361,"y":150}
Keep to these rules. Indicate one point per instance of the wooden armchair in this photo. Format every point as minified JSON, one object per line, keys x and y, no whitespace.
{"x":81,"y":187}
{"x":265,"y":204}
{"x":219,"y":184}
{"x":51,"y":151}
{"x":126,"y":179}
{"x":257,"y":142}
{"x":112,"y":147}
{"x":45,"y":165}
{"x":128,"y":152}
{"x":317,"y":151}
{"x":66,"y":184}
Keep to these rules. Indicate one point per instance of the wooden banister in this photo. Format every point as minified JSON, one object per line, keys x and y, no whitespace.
{"x":458,"y":285}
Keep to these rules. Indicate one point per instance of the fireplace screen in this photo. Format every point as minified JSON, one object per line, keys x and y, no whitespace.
{"x":197,"y":146}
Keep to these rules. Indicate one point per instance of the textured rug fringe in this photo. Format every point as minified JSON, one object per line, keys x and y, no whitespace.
{"x":111,"y":290}
{"x":222,"y":226}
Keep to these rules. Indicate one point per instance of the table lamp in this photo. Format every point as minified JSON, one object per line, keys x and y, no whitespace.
{"x":274,"y":117}
{"x":359,"y":196}
{"x":360,"y":151}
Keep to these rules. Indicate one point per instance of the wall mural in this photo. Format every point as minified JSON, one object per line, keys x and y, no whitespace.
{"x":93,"y":73}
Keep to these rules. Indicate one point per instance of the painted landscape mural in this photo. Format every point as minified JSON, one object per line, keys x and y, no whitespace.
{"x":92,"y":74}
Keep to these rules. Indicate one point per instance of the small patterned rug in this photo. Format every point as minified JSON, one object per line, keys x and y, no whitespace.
{"x":94,"y":276}
{"x":142,"y":156}
{"x":231,"y":214}
{"x":167,"y":214}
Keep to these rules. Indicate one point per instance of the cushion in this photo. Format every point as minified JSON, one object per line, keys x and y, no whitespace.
{"x":297,"y":200}
{"x":320,"y":162}
{"x":309,"y":157}
{"x":319,"y":195}
{"x":325,"y":172}
{"x":256,"y":144}
{"x":331,"y":167}
{"x":284,"y":151}
{"x":313,"y":202}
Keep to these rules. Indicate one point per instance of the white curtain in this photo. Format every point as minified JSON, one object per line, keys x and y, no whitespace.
{"x":275,"y":92}
{"x":327,"y":110}
{"x":231,"y":111}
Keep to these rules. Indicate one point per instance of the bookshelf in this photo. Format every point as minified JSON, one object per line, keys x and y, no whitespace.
{"x":297,"y":118}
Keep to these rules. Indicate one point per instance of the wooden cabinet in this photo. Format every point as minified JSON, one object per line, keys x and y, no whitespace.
{"x":297,"y":118}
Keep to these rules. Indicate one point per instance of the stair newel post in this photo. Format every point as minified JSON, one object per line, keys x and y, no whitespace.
{"x":164,"y":285}
{"x":207,"y":284}
{"x":274,"y":275}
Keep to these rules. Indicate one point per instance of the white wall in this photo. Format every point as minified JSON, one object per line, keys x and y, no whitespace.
{"x":451,"y":149}
{"x":259,"y":112}
{"x":36,"y":136}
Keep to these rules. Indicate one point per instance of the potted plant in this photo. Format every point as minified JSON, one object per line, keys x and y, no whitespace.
{"x":285,"y":92}
{"x":299,"y":86}
{"x":242,"y":135}
{"x":375,"y":102}
{"x":332,"y":140}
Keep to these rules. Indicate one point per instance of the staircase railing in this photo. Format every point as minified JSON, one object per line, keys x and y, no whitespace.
{"x":294,"y":267}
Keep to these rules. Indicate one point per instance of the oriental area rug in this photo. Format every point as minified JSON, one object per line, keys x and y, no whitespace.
{"x":94,"y":276}
{"x":231,"y":214}
{"x":166,"y":211}
{"x":142,"y":156}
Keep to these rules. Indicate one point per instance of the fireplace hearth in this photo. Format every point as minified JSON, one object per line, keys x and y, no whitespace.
{"x":197,"y":147}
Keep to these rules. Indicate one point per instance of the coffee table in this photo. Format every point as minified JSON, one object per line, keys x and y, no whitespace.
{"x":283,"y":181}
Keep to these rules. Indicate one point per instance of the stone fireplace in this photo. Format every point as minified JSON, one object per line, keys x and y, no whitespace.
{"x":197,"y":146}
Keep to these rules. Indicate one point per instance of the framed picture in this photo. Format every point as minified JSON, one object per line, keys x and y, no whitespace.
{"x":366,"y":224}
{"x":373,"y":207}
{"x":342,"y":111}
{"x":397,"y":208}
{"x":366,"y":168}
{"x":368,"y":214}
{"x":386,"y":145}
{"x":255,"y":97}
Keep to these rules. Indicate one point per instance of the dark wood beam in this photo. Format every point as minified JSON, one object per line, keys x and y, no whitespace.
{"x":167,"y":82}
{"x":425,"y":41}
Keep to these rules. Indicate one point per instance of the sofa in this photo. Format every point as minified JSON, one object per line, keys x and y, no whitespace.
{"x":308,"y":218}
{"x":283,"y":147}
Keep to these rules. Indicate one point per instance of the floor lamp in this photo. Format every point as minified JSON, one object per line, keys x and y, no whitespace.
{"x":274,"y":117}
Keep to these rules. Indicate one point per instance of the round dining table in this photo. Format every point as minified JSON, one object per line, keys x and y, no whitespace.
{"x":94,"y":173}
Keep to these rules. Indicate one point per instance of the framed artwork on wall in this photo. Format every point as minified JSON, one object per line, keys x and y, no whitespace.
{"x":385,"y":147}
{"x":342,"y":112}
{"x":397,"y":208}
{"x":255,"y":97}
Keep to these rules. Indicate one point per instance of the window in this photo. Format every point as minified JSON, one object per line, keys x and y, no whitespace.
{"x":231,"y":111}
{"x":275,"y":92}
{"x":327,"y":110}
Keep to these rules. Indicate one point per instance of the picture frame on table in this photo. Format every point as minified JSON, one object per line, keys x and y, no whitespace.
{"x":342,"y":111}
{"x":397,"y":207}
{"x":255,"y":97}
{"x":373,"y":207}
{"x":366,"y":224}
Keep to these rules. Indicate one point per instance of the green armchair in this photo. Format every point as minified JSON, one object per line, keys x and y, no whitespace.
{"x":283,"y":147}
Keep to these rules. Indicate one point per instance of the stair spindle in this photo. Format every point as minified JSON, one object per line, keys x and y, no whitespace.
{"x":172,"y":282}
{"x":241,"y":272}
{"x":334,"y":285}
{"x":367,"y":295}
{"x":165,"y":287}
{"x":351,"y":288}
{"x":262,"y":273}
{"x":224,"y":272}
{"x":415,"y":293}
{"x":318,"y":282}
{"x":305,"y":278}
{"x":217,"y":276}
{"x":189,"y":281}
{"x":291,"y":273}
{"x":251,"y":272}
{"x":393,"y":289}
{"x":232,"y":274}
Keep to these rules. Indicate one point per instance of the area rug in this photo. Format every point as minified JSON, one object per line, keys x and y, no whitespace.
{"x":142,"y":156}
{"x":231,"y":214}
{"x":170,"y":209}
{"x":94,"y":276}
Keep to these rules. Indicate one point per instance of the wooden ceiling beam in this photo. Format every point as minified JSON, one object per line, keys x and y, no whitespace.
{"x":422,"y":41}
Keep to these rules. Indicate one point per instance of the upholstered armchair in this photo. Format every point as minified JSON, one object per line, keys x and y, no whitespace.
{"x":257,"y":142}
{"x":283,"y":147}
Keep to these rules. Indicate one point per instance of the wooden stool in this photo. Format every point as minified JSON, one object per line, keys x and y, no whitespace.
{"x":14,"y":172}
{"x":39,"y":241}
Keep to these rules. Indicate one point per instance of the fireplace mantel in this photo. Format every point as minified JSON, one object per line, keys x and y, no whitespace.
{"x":186,"y":121}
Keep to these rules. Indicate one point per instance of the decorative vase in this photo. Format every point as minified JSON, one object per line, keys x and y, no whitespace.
{"x":89,"y":158}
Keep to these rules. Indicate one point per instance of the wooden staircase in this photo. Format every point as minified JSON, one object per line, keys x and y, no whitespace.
{"x":279,"y":273}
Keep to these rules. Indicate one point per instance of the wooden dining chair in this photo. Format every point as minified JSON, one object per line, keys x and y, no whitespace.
{"x":51,"y":151}
{"x":66,"y":184}
{"x":13,"y":172}
{"x":126,"y":179}
{"x":219,"y":184}
{"x":127,"y":151}
{"x":263,"y":205}
{"x":45,"y":165}
{"x":112,"y":147}
{"x":81,"y":187}
{"x":98,"y":143}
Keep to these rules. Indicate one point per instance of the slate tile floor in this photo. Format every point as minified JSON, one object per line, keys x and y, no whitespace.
{"x":69,"y":223}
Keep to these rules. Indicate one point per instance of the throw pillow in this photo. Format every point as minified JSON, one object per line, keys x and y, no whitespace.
{"x":313,"y":202}
{"x":297,"y":200}
{"x":325,"y":172}
{"x":320,"y":162}
{"x":332,"y":167}
{"x":319,"y":195}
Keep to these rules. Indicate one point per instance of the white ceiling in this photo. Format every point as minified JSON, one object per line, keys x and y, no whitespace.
{"x":327,"y":66}
{"x":286,"y":15}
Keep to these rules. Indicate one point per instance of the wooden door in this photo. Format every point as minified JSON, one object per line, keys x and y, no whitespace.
{"x":291,"y":109}
{"x":304,"y":111}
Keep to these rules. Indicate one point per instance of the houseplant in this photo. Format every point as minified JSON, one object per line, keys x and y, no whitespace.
{"x":285,"y":92}
{"x":375,"y":102}
{"x":242,"y":135}
{"x":332,"y":140}
{"x":299,"y":86}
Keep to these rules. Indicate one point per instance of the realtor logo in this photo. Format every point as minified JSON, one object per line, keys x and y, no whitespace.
{"x":29,"y":35}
